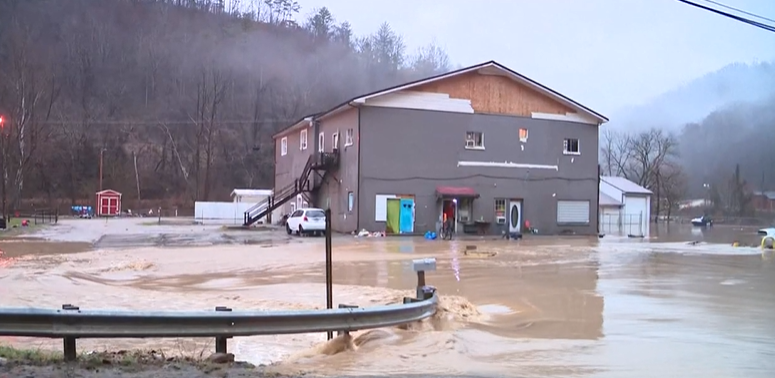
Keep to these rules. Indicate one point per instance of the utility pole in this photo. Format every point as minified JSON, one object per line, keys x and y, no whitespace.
{"x":4,"y":142}
{"x":102,"y":150}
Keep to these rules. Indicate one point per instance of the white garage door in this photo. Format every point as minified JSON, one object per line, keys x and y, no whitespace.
{"x":635,"y":220}
{"x":610,"y":220}
{"x":575,"y":212}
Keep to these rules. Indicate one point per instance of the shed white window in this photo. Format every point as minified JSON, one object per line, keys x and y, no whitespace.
{"x":348,"y":137}
{"x":322,"y":142}
{"x":335,"y":140}
{"x":573,"y":212}
{"x":303,"y":140}
{"x":570,"y":146}
{"x":475,"y":140}
{"x":284,"y":146}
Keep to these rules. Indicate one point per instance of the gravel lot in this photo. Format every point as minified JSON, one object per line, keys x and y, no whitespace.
{"x":145,"y":232}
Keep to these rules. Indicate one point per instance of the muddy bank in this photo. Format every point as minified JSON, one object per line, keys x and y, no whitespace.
{"x":13,"y":248}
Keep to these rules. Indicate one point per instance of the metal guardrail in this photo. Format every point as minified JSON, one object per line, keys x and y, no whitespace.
{"x":71,"y":323}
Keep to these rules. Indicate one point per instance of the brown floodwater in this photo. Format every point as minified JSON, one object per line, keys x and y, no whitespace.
{"x":611,"y":307}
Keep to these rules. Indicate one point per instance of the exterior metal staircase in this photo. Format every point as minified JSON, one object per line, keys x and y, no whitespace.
{"x":320,"y":161}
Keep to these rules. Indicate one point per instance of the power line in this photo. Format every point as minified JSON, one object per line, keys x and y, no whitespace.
{"x":732,"y":16}
{"x":739,"y":10}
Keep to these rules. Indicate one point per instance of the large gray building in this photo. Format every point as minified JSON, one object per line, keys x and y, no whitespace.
{"x":483,"y":145}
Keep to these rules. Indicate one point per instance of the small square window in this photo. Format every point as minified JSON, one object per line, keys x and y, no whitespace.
{"x":303,"y":140}
{"x":475,"y":140}
{"x":571,"y":147}
{"x":284,"y":146}
{"x":523,"y":135}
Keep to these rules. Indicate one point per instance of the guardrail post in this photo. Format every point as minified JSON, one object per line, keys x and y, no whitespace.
{"x":220,"y":342}
{"x":340,"y":333}
{"x":421,"y":266}
{"x":69,"y":342}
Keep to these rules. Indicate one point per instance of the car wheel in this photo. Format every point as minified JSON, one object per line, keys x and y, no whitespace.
{"x":301,"y":231}
{"x":288,"y":229}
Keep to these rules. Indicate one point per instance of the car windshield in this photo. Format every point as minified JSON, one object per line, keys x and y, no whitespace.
{"x":316,"y":213}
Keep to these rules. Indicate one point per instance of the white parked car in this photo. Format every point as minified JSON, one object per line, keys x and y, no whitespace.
{"x":767,"y":232}
{"x":306,"y":221}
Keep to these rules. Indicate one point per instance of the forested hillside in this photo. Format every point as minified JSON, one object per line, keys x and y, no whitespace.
{"x":714,"y":137}
{"x":180,"y":97}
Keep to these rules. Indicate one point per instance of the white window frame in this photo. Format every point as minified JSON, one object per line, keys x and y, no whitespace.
{"x":527,"y":134}
{"x":322,"y":141}
{"x":350,"y":201}
{"x":349,"y":137}
{"x":303,"y":140}
{"x":284,"y":146}
{"x":565,"y":145}
{"x":471,"y":143}
{"x":335,"y":140}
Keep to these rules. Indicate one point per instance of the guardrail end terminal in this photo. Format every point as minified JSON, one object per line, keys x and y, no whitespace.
{"x":427,"y":292}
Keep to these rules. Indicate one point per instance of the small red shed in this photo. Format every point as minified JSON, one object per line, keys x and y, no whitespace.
{"x":108,"y":203}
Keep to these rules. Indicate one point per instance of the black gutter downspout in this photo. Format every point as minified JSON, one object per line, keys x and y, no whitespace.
{"x":358,"y":190}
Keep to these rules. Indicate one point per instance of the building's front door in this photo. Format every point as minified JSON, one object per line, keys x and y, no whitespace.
{"x":515,"y":216}
{"x":406,"y":222}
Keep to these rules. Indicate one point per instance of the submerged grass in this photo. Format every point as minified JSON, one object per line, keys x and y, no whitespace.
{"x":132,"y":360}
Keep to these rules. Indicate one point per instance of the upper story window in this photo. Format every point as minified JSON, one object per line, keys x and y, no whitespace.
{"x":303,"y":140}
{"x":335,"y":140}
{"x":322,"y":142}
{"x":570,"y":146}
{"x":475,"y":140}
{"x":284,"y":146}
{"x":348,"y":137}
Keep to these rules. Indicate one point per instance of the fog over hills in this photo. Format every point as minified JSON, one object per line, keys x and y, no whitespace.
{"x":734,"y":83}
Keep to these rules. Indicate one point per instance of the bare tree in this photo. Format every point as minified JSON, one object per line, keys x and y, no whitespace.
{"x":178,"y":98}
{"x":647,"y":158}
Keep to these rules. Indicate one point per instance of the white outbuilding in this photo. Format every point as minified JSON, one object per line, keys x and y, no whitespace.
{"x":250,"y":195}
{"x":624,"y":207}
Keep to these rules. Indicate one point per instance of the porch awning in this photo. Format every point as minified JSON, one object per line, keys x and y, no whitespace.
{"x":456,"y":192}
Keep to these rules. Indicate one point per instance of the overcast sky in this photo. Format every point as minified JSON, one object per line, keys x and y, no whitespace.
{"x":605,"y":54}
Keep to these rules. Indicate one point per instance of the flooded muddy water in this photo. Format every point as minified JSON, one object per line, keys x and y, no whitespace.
{"x":611,"y":307}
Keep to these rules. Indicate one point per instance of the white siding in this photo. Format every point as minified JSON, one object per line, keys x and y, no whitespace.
{"x":573,"y":212}
{"x":636,"y":215}
{"x":423,"y":101}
